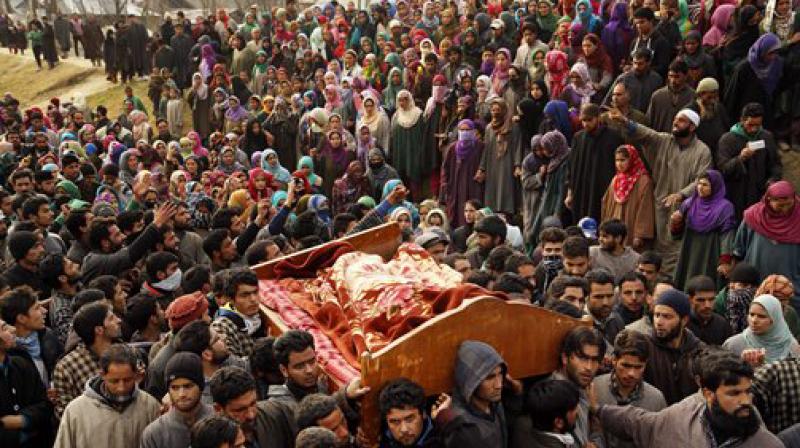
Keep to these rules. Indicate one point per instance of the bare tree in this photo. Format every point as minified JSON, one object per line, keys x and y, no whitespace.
{"x":120,"y":7}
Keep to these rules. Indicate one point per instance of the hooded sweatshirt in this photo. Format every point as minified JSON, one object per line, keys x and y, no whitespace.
{"x":463,"y":425}
{"x":93,"y":419}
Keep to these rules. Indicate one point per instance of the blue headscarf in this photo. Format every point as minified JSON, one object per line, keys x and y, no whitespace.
{"x":278,"y":172}
{"x":558,"y":112}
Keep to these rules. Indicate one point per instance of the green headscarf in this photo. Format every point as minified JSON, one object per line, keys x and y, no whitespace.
{"x":70,"y":188}
{"x":308,"y":162}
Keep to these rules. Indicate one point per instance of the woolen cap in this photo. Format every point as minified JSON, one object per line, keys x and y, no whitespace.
{"x":185,"y":365}
{"x":185,"y":309}
{"x":676,"y":300}
{"x":707,"y":85}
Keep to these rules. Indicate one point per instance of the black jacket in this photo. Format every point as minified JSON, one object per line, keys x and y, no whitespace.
{"x":22,"y":392}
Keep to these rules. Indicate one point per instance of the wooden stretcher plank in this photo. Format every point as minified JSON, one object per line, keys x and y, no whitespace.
{"x":527,"y":337}
{"x":382,"y":240}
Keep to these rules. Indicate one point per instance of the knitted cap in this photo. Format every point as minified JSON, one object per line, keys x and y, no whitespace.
{"x":185,"y":365}
{"x":676,"y":300}
{"x":707,"y":85}
{"x":186,"y":309}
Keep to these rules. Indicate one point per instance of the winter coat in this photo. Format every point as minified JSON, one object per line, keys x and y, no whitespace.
{"x":461,"y":425}
{"x":682,"y":424}
{"x":91,"y":421}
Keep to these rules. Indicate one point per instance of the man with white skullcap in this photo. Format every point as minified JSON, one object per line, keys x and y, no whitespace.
{"x":676,"y":159}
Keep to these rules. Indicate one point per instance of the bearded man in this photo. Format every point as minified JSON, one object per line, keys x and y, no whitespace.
{"x":714,"y":120}
{"x":721,"y":414}
{"x":672,"y":347}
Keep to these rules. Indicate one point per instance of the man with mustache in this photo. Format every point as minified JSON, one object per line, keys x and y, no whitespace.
{"x":672,"y":347}
{"x":714,"y":121}
{"x":600,"y":304}
{"x":721,"y":414}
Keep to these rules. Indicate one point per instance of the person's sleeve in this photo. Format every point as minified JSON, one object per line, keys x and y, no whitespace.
{"x":372,"y":219}
{"x":246,"y":238}
{"x":728,"y":159}
{"x":277,"y":222}
{"x":629,"y":421}
{"x":774,"y":163}
{"x":65,"y":438}
{"x":741,"y":241}
{"x":704,"y":163}
{"x":141,"y":246}
{"x":62,"y":383}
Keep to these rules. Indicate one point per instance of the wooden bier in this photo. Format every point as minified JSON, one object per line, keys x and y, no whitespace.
{"x":527,"y":337}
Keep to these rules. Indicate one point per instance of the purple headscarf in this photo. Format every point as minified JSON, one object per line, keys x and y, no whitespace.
{"x":465,"y":146}
{"x":709,"y":214}
{"x":769,"y":73}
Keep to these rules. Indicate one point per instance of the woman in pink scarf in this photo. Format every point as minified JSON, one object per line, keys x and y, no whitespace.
{"x":557,"y":71}
{"x":720,"y":21}
{"x":502,"y":63}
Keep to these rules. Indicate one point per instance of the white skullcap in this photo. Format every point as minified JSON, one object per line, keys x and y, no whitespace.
{"x":690,"y":115}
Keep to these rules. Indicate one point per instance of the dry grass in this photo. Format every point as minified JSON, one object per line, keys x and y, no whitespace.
{"x":19,"y":76}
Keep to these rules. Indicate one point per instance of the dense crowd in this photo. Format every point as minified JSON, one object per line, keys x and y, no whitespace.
{"x":608,"y":160}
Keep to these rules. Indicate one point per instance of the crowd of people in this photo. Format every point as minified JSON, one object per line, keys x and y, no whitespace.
{"x":617,"y":161}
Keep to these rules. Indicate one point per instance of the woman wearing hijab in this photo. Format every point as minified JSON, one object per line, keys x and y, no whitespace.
{"x":306,"y":166}
{"x":736,"y":47}
{"x":580,"y":90}
{"x":618,"y":34}
{"x":769,"y":235}
{"x":394,"y":85}
{"x":767,"y":331}
{"x":483,"y":86}
{"x":254,"y":138}
{"x":546,"y":18}
{"x":408,"y":130}
{"x":557,"y":72}
{"x":333,"y":159}
{"x":629,"y":198}
{"x":379,"y":172}
{"x":707,"y":223}
{"x":348,"y":188}
{"x":500,"y":73}
{"x":235,"y":115}
{"x":200,"y":103}
{"x":374,"y":117}
{"x":259,"y":184}
{"x":585,"y":16}
{"x":720,"y":22}
{"x":782,"y":20}
{"x":501,"y":159}
{"x":461,"y":162}
{"x":533,"y":176}
{"x":271,"y":164}
{"x":756,"y":79}
{"x":530,"y":112}
{"x":598,"y":62}
{"x":556,"y":114}
{"x":554,"y":179}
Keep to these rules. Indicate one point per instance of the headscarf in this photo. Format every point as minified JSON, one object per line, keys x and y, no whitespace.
{"x":778,"y":341}
{"x":557,"y":71}
{"x":467,"y":140}
{"x":500,"y":73}
{"x":586,"y":91}
{"x":237,"y":112}
{"x":320,"y":205}
{"x":532,"y":113}
{"x":776,"y":285}
{"x":618,"y":32}
{"x":599,"y":59}
{"x":763,"y":220}
{"x":769,"y":73}
{"x":308,"y":162}
{"x":339,"y":156}
{"x":624,"y":182}
{"x":714,"y":213}
{"x":482,"y":86}
{"x":586,"y":18}
{"x":406,"y":118}
{"x":558,"y":112}
{"x":256,"y":194}
{"x":556,"y":144}
{"x":278,"y":172}
{"x":547,"y":23}
{"x":391,"y":90}
{"x":720,"y":21}
{"x":333,"y":99}
{"x":241,"y":199}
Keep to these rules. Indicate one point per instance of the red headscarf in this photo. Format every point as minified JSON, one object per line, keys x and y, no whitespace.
{"x":557,"y":71}
{"x":624,"y":182}
{"x":781,"y":228}
{"x":264,"y":193}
